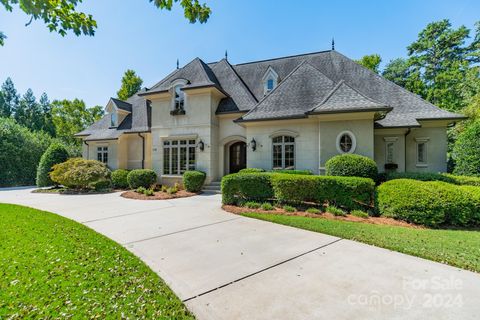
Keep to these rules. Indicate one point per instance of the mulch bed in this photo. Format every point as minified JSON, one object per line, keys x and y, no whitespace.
{"x":158,"y":195}
{"x":324,"y":215}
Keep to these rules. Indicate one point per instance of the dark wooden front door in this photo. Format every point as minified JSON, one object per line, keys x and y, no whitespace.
{"x":238,"y":156}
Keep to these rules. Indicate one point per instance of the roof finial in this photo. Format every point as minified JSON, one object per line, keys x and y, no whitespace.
{"x":226,"y":55}
{"x":333,"y":44}
{"x":178,"y":64}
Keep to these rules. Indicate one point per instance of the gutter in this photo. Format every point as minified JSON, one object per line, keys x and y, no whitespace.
{"x":88,"y":149}
{"x":143,"y":149}
{"x":405,"y":148}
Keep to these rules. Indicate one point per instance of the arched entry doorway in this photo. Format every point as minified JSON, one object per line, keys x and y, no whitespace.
{"x":237,"y":156}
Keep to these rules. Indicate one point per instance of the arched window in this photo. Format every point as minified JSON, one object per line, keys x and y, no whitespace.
{"x":283,"y":152}
{"x":346,"y":142}
{"x":179,"y":97}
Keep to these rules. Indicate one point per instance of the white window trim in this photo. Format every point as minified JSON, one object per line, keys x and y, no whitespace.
{"x":283,"y":144}
{"x":178,"y":82}
{"x":178,"y":147}
{"x":114,"y":124}
{"x":425,"y":141}
{"x":354,"y":142}
{"x":102,"y":152}
{"x":270,"y":74}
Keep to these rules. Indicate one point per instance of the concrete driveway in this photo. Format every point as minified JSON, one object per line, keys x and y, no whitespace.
{"x":230,"y":267}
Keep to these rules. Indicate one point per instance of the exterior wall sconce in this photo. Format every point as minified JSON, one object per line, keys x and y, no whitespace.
{"x":253,"y":144}
{"x":201,"y":145}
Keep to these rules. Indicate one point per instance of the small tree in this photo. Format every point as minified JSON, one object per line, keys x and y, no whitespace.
{"x":466,"y":151}
{"x":56,"y":153}
{"x":131,"y":84}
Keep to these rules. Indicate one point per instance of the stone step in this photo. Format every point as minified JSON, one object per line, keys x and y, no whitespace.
{"x":210,"y":187}
{"x":211,"y":191}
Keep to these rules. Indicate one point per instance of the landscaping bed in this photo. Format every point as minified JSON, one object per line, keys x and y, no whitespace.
{"x":53,"y":267}
{"x":158,"y":195}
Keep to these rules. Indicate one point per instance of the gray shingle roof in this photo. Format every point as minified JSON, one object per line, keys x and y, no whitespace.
{"x":137,"y":121}
{"x":344,"y":98}
{"x":323,"y":81}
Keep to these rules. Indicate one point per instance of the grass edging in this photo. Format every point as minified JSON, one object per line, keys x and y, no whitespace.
{"x":458,"y":248}
{"x":53,"y":267}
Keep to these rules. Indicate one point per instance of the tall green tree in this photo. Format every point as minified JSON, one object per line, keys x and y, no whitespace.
{"x":131,"y":84}
{"x":46,"y":121}
{"x":28,"y":112}
{"x":442,"y":59}
{"x":9,"y":99}
{"x":71,"y":117}
{"x":62,"y":16}
{"x":371,"y":61}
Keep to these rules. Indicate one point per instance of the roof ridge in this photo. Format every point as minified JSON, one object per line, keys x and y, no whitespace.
{"x":239,"y":78}
{"x":204,"y":67}
{"x":284,"y":57}
{"x":335,"y":88}
{"x":304,"y":62}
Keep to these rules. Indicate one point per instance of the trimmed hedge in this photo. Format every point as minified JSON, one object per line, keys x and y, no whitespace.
{"x":241,"y":187}
{"x":347,"y":192}
{"x":302,"y":172}
{"x":55,"y":153}
{"x":430,"y":203}
{"x":432,"y":176}
{"x":351,"y":165}
{"x":141,"y":178}
{"x":193,"y":180}
{"x":119,"y":178}
{"x":78,"y":173}
{"x":466,"y":151}
{"x":251,"y":170}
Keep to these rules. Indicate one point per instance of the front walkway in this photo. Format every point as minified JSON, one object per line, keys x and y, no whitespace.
{"x":230,"y":267}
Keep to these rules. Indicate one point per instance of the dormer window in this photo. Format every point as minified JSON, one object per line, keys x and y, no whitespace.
{"x":113,"y":119}
{"x":178,"y":100}
{"x":270,"y":80}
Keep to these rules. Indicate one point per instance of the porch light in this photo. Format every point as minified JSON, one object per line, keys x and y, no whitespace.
{"x":201,"y":145}
{"x":253,"y":144}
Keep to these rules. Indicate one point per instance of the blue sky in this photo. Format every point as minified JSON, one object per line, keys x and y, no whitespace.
{"x":134,"y":34}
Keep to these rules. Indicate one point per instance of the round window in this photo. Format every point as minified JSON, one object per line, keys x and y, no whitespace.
{"x":346,"y":142}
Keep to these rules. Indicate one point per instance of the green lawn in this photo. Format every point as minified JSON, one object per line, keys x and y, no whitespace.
{"x":454,"y":247}
{"x":52,"y":267}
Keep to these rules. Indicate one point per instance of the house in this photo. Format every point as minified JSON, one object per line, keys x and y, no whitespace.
{"x":292,"y":112}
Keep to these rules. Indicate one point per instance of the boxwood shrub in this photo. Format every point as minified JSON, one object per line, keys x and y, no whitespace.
{"x":347,"y":192}
{"x":351,"y":165}
{"x":193,"y":180}
{"x":241,"y":187}
{"x":141,"y":178}
{"x":119,"y":178}
{"x":55,"y":153}
{"x":430,"y":203}
{"x":432,"y":176}
{"x":251,"y":170}
{"x":304,"y":172}
{"x":78,"y":173}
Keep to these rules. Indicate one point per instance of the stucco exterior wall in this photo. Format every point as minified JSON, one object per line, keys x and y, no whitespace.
{"x":362,"y":129}
{"x":90,"y":152}
{"x":397,"y":136}
{"x":436,"y":149}
{"x":306,"y":143}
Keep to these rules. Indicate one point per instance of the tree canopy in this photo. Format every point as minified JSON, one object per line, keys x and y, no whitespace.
{"x":61,"y":16}
{"x":131,"y":84}
{"x":371,"y":62}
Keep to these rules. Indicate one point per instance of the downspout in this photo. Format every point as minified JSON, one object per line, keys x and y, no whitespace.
{"x":405,"y":148}
{"x":88,"y":149}
{"x":143,"y":150}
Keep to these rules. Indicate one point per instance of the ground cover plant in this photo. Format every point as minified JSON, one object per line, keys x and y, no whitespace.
{"x":53,"y":267}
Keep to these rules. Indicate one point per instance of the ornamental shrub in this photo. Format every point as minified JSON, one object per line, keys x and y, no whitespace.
{"x":432,"y":176}
{"x":78,"y":173}
{"x":430,"y":203}
{"x":251,"y":170}
{"x":55,"y":153}
{"x":119,"y":178}
{"x":466,"y":151}
{"x":241,"y":187}
{"x":351,"y":165}
{"x":20,"y":153}
{"x":141,"y":178}
{"x":347,"y":192}
{"x":304,"y":172}
{"x":193,"y":180}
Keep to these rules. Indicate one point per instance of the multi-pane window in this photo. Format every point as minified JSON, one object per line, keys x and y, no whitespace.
{"x":179,"y":98}
{"x":389,"y":152}
{"x":421,"y":153}
{"x":178,"y":156}
{"x":102,"y":154}
{"x":283,"y":152}
{"x":345,"y":143}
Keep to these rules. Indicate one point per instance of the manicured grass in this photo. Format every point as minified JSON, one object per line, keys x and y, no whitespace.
{"x":454,"y":247}
{"x":52,"y":267}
